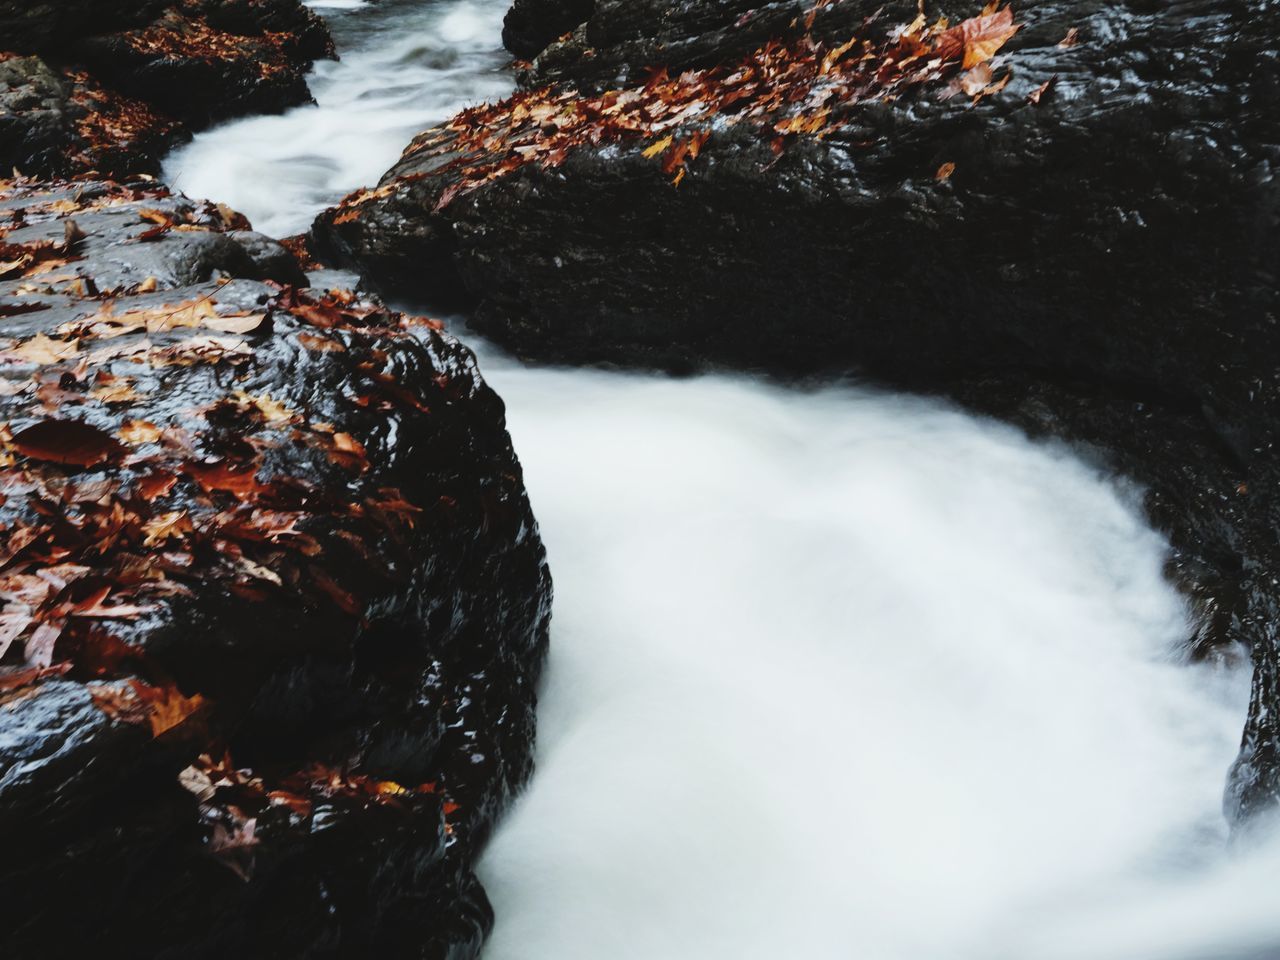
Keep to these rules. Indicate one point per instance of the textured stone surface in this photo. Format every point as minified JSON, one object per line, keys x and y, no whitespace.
{"x":275,"y":602}
{"x":107,"y":91}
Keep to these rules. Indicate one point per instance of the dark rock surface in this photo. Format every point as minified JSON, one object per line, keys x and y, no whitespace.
{"x":532,"y":25}
{"x":1089,"y":249}
{"x":106,"y":89}
{"x":275,"y":602}
{"x":62,"y":122}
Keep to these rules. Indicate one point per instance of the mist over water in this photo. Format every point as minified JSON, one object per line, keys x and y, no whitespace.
{"x":834,"y":674}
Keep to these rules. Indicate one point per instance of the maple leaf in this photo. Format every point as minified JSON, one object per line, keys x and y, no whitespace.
{"x":166,"y":707}
{"x":168,"y":526}
{"x":68,"y":442}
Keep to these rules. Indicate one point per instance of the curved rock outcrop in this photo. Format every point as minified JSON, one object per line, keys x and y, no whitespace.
{"x":274,"y":600}
{"x":1066,"y":214}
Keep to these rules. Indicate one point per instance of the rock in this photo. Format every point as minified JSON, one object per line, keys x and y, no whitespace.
{"x":29,"y":26}
{"x":114,"y":88}
{"x":194,"y":71}
{"x":531,"y":25}
{"x":1067,"y":217}
{"x":63,"y":123}
{"x":275,"y":600}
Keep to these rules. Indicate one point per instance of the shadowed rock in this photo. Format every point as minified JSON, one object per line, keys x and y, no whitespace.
{"x":275,"y":602}
{"x":107,"y":91}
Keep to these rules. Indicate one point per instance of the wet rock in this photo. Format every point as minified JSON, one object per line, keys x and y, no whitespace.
{"x":531,"y":25}
{"x":116,"y":88}
{"x":274,"y":598}
{"x":1090,"y":200}
{"x":61,"y":122}
{"x":34,"y":25}
{"x":195,"y":71}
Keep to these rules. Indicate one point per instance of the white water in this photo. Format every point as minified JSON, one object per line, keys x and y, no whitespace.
{"x":834,"y":674}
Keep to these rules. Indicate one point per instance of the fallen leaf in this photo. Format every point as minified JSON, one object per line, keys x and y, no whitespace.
{"x":1035,"y":95}
{"x":68,"y":442}
{"x":656,"y":148}
{"x":168,"y":526}
{"x":166,"y":706}
{"x":139,"y":432}
{"x":44,"y":350}
{"x":945,"y":171}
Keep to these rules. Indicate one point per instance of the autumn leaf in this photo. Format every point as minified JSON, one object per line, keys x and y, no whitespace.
{"x":167,"y":526}
{"x":1036,"y":95}
{"x":138,"y":432}
{"x":69,"y":442}
{"x":235,"y":322}
{"x":238,"y":479}
{"x":978,"y":38}
{"x":945,"y":171}
{"x":166,"y":706}
{"x":112,"y":389}
{"x":44,"y":350}
{"x":656,"y":148}
{"x":349,"y":452}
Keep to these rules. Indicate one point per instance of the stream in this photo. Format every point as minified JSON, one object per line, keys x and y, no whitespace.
{"x":835,"y":673}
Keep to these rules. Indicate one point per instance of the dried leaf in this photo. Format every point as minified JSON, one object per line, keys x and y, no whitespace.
{"x":945,"y":171}
{"x":44,"y":350}
{"x":656,"y":148}
{"x":1036,"y":95}
{"x":68,"y":442}
{"x":138,"y":432}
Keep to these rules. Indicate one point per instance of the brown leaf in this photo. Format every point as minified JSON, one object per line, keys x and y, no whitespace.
{"x":236,"y":322}
{"x":68,"y":442}
{"x":166,"y":706}
{"x":349,"y":452}
{"x":155,"y":485}
{"x":138,"y":432}
{"x":945,"y":171}
{"x":979,"y":38}
{"x":168,"y":526}
{"x":239,"y":479}
{"x":1038,"y":93}
{"x":44,"y":350}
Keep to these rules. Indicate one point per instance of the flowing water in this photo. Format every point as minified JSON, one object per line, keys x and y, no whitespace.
{"x":834,"y":674}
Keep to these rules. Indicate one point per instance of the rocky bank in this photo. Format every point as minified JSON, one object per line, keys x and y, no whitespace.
{"x":107,"y":88}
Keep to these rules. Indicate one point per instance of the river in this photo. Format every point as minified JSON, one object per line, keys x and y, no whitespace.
{"x":835,"y":673}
